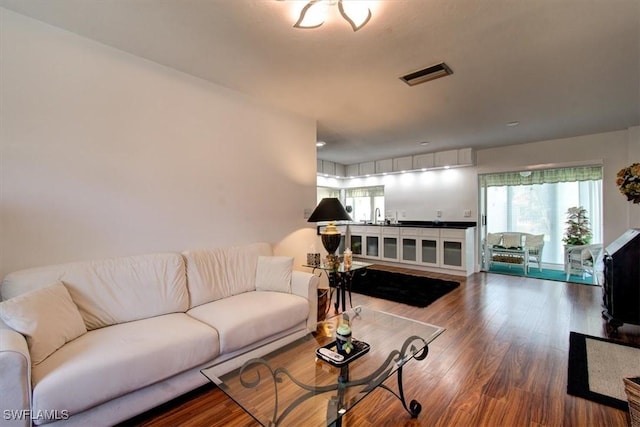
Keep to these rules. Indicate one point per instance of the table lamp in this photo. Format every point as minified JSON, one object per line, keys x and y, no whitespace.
{"x":330,"y":209}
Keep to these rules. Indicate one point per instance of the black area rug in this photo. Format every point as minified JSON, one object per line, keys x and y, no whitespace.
{"x":597,"y":367}
{"x":403,"y":288}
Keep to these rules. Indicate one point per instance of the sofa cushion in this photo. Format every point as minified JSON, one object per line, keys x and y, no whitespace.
{"x":511,"y":240}
{"x":273,"y":273}
{"x":110,"y":362}
{"x":533,"y":240}
{"x":113,"y":290}
{"x":218,"y":273}
{"x":47,"y":317}
{"x":494,"y":239}
{"x":252,"y":316}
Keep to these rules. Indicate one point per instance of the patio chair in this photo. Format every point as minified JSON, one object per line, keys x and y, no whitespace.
{"x":535,"y":244}
{"x":583,"y":260}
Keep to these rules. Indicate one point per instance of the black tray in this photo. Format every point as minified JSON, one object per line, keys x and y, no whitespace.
{"x":360,"y":348}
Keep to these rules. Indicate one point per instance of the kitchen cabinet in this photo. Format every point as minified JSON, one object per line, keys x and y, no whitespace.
{"x":410,"y":245}
{"x":425,"y":161}
{"x":402,"y":164}
{"x":456,"y":247}
{"x":384,"y":166}
{"x":365,"y":241}
{"x":430,"y":247}
{"x":439,"y":249}
{"x":372,"y":239}
{"x":367,"y":168}
{"x":390,"y":243}
{"x":446,"y":158}
{"x":356,"y":238}
{"x":352,"y":170}
{"x":465,"y":157}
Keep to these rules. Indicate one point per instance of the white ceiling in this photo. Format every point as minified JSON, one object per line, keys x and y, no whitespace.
{"x":560,"y":67}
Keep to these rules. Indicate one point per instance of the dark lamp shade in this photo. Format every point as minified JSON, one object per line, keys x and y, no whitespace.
{"x":329,"y":209}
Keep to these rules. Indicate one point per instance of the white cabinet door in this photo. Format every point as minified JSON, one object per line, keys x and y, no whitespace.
{"x":453,"y":253}
{"x":453,"y":248}
{"x":372,"y":242}
{"x":390,"y":243}
{"x":409,"y":245}
{"x":356,"y":239}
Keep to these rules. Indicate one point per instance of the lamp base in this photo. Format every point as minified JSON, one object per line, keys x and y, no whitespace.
{"x":331,"y":242}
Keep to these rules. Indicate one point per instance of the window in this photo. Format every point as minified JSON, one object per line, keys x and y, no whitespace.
{"x":322,"y":192}
{"x":536,"y":202}
{"x":365,"y":202}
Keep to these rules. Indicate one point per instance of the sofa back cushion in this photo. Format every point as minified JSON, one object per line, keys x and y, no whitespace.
{"x":115,"y":290}
{"x":494,"y":239}
{"x":512,"y":240}
{"x":213,"y":274}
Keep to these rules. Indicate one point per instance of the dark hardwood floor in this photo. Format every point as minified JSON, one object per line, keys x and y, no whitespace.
{"x":502,"y":361}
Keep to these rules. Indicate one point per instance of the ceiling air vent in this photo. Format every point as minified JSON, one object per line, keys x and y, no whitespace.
{"x":430,"y":73}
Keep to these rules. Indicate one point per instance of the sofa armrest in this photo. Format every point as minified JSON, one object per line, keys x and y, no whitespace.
{"x":15,"y":379}
{"x":306,"y":285}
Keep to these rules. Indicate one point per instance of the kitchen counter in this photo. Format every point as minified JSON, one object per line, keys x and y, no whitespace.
{"x":423,"y":224}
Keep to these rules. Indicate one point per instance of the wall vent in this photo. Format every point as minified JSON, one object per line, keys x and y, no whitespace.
{"x":426,"y":74}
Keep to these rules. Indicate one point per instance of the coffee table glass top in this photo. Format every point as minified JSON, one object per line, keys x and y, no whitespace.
{"x":292,"y":386}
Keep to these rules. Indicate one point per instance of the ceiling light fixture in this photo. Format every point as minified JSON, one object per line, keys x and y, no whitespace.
{"x":320,"y":144}
{"x":314,"y":13}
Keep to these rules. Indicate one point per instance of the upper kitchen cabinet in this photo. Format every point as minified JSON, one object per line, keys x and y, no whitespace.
{"x":401,"y":164}
{"x":446,"y":158}
{"x":451,"y":158}
{"x":423,"y":161}
{"x":465,"y":157}
{"x":352,"y":170}
{"x":367,"y":168}
{"x":330,"y":168}
{"x":384,"y":166}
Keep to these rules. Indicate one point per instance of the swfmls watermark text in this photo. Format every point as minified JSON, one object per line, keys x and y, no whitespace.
{"x":28,"y":414}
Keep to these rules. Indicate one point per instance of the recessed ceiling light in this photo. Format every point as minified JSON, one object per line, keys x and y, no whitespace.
{"x":425,"y":143}
{"x":513,"y":123}
{"x":320,"y":144}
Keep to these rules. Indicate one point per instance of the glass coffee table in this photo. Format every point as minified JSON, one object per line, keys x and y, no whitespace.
{"x":296,"y":385}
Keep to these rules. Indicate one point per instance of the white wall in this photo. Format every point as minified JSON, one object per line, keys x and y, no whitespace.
{"x":106,"y":154}
{"x":634,"y":157}
{"x":418,"y":195}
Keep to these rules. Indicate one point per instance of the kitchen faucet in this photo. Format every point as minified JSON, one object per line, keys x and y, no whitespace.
{"x":376,"y":214}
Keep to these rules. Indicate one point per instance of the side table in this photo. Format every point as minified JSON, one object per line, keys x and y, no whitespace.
{"x":340,"y":281}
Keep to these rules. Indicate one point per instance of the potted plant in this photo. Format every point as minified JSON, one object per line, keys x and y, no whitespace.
{"x":578,"y":231}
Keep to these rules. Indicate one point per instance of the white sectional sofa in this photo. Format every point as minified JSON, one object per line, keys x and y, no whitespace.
{"x":95,"y":343}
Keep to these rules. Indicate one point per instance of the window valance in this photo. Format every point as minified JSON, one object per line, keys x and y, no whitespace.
{"x":375,"y":191}
{"x":544,"y":176}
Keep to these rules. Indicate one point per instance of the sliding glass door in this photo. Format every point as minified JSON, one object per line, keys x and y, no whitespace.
{"x":536,"y":202}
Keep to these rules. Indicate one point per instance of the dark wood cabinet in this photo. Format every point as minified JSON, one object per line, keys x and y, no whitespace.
{"x":621,"y":293}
